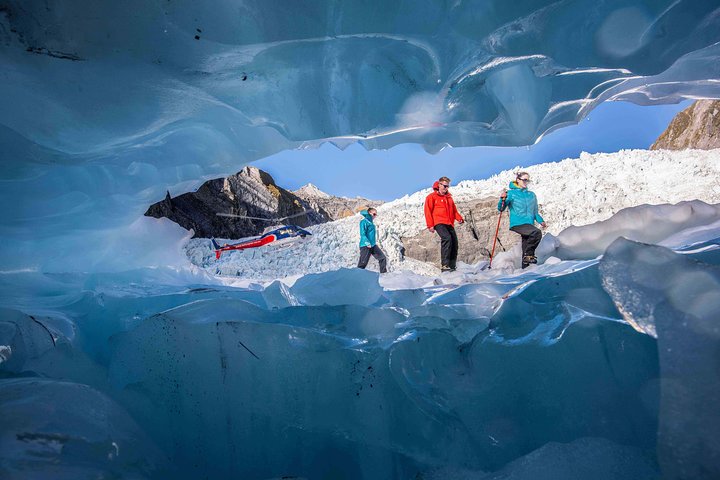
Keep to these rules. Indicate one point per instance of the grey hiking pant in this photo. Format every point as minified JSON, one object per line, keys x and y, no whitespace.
{"x":375,"y":251}
{"x":448,"y":245}
{"x":531,"y":236}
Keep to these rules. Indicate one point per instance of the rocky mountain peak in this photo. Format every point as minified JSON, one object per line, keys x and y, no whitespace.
{"x":698,"y":126}
{"x":254,"y":174}
{"x":252,"y":192}
{"x":310,"y":191}
{"x":336,"y":207}
{"x":249,"y":193}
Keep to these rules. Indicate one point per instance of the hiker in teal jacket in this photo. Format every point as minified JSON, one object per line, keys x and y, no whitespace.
{"x":368,"y":243}
{"x":523,"y":215}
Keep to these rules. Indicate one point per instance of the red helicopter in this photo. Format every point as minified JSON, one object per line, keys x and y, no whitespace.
{"x":272,"y":236}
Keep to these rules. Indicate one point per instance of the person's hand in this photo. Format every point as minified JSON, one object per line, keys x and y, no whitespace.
{"x":461,"y":222}
{"x":503,"y":195}
{"x":432,"y":230}
{"x":543,"y":225}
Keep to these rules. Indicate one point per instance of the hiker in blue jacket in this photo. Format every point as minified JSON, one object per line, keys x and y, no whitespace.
{"x":523,"y":215}
{"x":368,"y":243}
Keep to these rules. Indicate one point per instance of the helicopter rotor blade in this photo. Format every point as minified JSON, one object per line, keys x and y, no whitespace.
{"x":232,"y":215}
{"x":304,"y":212}
{"x":245,"y":216}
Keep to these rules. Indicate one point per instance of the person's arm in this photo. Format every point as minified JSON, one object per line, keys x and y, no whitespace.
{"x":504,"y":201}
{"x":538,"y":218}
{"x":429,"y":204}
{"x":458,"y":217}
{"x":369,"y":227}
{"x":365,"y":227}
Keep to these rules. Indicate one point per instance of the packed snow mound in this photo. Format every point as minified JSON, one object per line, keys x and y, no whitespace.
{"x":104,"y":110}
{"x":572,"y":194}
{"x":645,"y":223}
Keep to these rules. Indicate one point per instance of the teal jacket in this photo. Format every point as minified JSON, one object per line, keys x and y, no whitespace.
{"x":367,"y":230}
{"x":522,"y":204}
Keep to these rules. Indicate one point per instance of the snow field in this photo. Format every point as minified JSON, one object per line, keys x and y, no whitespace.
{"x":572,"y":192}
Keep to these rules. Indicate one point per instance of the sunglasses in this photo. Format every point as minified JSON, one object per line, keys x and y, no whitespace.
{"x":444,"y":185}
{"x":526,"y":180}
{"x":374,"y":214}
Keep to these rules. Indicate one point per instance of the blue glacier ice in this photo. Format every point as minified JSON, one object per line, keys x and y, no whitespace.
{"x":64,"y":430}
{"x":543,"y":371}
{"x":120,"y":359}
{"x":676,"y":299}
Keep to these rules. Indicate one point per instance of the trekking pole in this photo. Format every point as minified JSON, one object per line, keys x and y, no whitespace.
{"x":471,"y":223}
{"x":497,"y":230}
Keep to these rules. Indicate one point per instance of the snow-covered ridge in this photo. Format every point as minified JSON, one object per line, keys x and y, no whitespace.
{"x":571,"y":192}
{"x":311,"y":190}
{"x":334,"y":207}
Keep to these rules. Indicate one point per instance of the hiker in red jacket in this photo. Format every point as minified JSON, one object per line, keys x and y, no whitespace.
{"x":440,"y":216}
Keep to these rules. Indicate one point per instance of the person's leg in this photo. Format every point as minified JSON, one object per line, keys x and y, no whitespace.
{"x":445,"y":244}
{"x":534,"y":238}
{"x":364,"y":257}
{"x":520,"y":230}
{"x":453,"y":249}
{"x":380,"y":257}
{"x":531,"y":237}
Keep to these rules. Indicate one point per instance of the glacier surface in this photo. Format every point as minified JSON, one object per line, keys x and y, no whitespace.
{"x":571,"y":193}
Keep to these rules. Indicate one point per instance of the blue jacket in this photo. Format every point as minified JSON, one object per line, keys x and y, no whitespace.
{"x":522,"y":204}
{"x":367,"y":230}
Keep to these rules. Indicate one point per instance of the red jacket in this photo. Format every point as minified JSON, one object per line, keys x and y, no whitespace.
{"x":440,"y":209}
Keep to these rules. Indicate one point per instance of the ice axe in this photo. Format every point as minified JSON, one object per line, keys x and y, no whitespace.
{"x":471,"y":224}
{"x":497,"y":230}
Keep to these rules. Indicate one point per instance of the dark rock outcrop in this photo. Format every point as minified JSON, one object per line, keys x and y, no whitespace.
{"x":426,"y":246}
{"x":251,"y":192}
{"x":336,"y":207}
{"x":698,"y":126}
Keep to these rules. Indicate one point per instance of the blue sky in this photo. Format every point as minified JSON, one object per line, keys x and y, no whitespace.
{"x":390,"y":174}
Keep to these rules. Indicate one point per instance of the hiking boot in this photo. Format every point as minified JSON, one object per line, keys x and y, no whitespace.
{"x":529,"y":259}
{"x":445,"y":268}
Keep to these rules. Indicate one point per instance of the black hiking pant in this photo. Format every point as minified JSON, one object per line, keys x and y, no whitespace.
{"x":375,"y":251}
{"x":531,"y":236}
{"x":448,"y":245}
